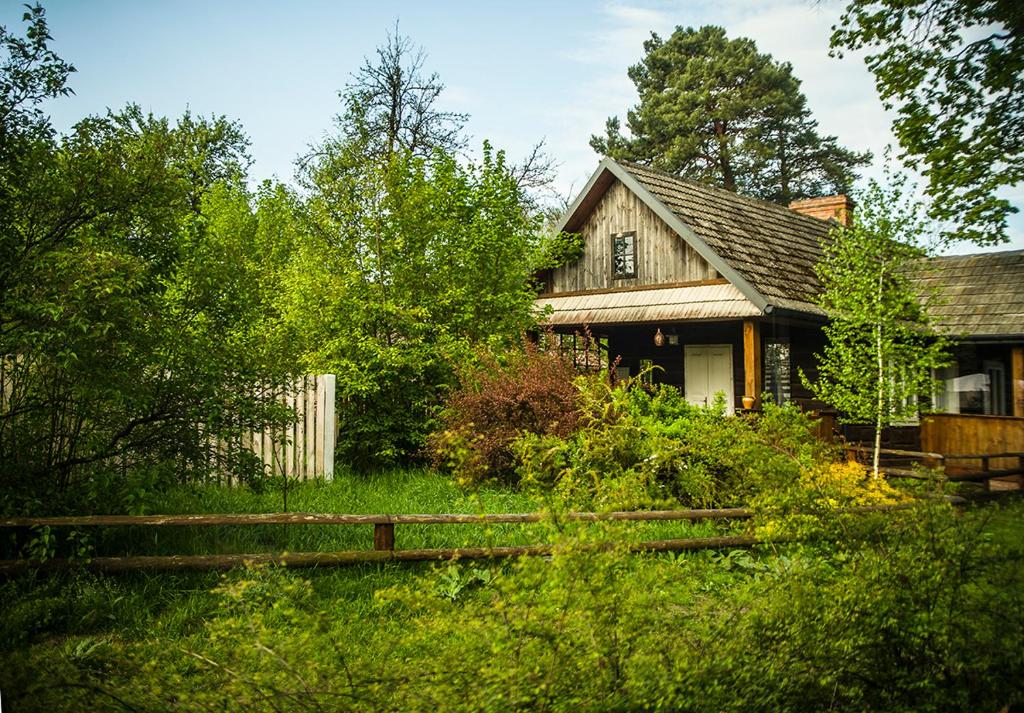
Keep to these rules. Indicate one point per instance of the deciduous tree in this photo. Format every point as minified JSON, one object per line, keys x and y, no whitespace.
{"x":953,"y":70}
{"x":882,"y":346}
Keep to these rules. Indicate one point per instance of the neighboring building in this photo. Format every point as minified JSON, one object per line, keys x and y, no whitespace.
{"x":980,"y":303}
{"x":717,"y":290}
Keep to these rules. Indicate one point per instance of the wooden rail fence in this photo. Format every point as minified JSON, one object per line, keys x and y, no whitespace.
{"x":383,"y":537}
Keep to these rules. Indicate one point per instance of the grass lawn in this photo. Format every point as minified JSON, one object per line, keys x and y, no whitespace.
{"x":137,"y":604}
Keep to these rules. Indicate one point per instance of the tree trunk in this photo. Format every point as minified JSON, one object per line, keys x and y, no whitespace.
{"x":881,"y":381}
{"x":785,"y":196}
{"x":724,"y":160}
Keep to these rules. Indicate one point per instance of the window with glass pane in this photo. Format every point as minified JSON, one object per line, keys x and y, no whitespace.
{"x":624,"y":255}
{"x":776,"y":371}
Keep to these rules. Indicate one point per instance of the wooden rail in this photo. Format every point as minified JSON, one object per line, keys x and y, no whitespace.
{"x":335,"y":559}
{"x":300,"y":518}
{"x":383,"y":525}
{"x":383,"y":537}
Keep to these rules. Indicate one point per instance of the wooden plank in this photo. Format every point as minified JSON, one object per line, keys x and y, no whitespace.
{"x":330,"y":427}
{"x":752,"y":386}
{"x":289,"y":446}
{"x":896,"y":452}
{"x":641,"y":288}
{"x":320,"y":407}
{"x":1017,"y":375}
{"x":299,"y":518}
{"x":310,"y":424}
{"x":335,"y":559}
{"x":384,"y":536}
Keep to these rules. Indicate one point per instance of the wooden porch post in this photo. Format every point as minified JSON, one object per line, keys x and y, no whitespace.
{"x":752,"y":360}
{"x":1017,"y":375}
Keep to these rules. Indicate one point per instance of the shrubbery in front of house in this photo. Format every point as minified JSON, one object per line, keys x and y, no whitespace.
{"x":589,"y":444}
{"x":638,"y":445}
{"x":529,"y":391}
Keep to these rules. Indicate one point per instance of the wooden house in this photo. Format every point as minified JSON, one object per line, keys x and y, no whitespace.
{"x":981,"y":305}
{"x":716,"y":292}
{"x":713,"y":289}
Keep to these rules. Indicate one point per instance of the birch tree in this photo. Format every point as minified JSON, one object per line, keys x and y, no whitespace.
{"x":882,"y":345}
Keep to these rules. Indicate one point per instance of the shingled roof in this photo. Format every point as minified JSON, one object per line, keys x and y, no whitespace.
{"x":980,"y":296}
{"x":768,"y":251}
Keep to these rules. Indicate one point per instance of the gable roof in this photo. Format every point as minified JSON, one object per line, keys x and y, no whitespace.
{"x":766,"y":250}
{"x":980,"y":295}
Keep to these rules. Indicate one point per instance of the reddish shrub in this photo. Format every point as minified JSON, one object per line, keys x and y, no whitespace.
{"x":530,"y":391}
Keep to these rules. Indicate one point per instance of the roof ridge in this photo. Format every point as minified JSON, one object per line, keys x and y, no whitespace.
{"x":760,"y":202}
{"x":988,"y":253}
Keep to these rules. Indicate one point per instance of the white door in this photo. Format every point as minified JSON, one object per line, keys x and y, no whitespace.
{"x":707,"y":370}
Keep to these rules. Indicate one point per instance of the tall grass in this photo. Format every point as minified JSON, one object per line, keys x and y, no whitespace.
{"x":417,"y":491}
{"x":138,"y":604}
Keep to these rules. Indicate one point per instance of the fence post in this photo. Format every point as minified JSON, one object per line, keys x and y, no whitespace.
{"x":330,"y":430}
{"x":384,"y":536}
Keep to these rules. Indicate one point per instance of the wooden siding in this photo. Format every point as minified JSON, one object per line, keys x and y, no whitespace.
{"x":662,"y":257}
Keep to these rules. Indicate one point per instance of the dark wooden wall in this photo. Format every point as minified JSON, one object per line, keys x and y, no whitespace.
{"x":631,"y":344}
{"x":805,"y":342}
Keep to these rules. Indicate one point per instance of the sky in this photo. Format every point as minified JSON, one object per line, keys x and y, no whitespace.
{"x":524,"y":71}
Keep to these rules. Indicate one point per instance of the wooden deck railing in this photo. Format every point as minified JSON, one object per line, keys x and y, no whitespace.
{"x":940,"y":461}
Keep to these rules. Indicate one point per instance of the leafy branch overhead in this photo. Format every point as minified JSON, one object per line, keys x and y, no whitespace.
{"x":952,"y":70}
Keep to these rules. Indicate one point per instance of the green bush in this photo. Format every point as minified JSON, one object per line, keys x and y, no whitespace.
{"x":637,"y":446}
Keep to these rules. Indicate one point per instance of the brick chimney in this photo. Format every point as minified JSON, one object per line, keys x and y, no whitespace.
{"x":826,"y":208}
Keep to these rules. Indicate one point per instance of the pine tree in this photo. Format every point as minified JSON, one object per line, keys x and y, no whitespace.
{"x":716,"y":110}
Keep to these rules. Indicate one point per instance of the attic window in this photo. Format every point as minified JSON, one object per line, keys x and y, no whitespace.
{"x":624,"y":255}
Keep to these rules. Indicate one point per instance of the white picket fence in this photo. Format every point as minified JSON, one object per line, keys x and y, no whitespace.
{"x":302,"y":451}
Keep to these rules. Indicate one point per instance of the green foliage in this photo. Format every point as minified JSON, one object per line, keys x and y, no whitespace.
{"x":134,"y":309}
{"x":152,"y":306}
{"x":882,"y":345}
{"x":820,"y":501}
{"x":951,"y":71}
{"x":921,"y":613}
{"x":558,"y":250}
{"x":636,"y":448}
{"x":717,"y":111}
{"x":409,"y":265}
{"x":30,"y":73}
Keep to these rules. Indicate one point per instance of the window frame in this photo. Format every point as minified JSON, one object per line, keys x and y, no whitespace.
{"x":614,"y":237}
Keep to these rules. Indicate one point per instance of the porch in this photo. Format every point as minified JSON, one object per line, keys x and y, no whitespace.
{"x":741,"y":358}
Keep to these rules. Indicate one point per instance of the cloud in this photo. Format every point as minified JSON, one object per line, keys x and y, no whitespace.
{"x":622,"y":32}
